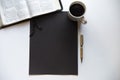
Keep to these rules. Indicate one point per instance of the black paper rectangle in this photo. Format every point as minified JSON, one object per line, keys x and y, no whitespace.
{"x":53,"y":45}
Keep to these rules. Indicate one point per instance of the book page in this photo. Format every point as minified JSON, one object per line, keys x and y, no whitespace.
{"x":13,"y":11}
{"x":39,"y":7}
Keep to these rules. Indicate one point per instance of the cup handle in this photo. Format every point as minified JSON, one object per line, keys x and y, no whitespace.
{"x":82,"y":20}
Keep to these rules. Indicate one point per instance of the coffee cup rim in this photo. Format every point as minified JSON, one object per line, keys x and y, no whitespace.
{"x":78,"y":2}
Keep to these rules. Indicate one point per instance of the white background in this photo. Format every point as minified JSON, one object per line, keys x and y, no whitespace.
{"x":101,"y":46}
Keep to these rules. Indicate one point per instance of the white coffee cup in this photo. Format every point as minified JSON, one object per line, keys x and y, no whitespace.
{"x":76,"y":11}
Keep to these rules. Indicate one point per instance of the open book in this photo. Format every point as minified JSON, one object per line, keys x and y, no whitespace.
{"x":12,"y":11}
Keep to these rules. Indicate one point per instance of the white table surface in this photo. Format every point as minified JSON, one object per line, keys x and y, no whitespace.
{"x":101,"y":46}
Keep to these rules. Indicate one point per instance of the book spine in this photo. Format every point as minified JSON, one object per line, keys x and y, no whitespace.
{"x":1,"y":23}
{"x":61,"y":4}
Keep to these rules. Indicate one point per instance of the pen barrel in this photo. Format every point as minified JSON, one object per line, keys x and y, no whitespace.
{"x":81,"y":41}
{"x":81,"y":52}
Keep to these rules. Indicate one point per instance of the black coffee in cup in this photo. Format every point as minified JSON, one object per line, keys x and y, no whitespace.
{"x":77,"y":10}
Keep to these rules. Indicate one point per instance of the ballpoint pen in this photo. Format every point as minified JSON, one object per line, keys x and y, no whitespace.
{"x":81,"y":47}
